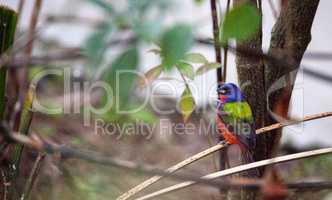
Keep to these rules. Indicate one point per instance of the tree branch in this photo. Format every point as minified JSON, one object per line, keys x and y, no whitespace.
{"x":32,"y":177}
{"x":211,"y":150}
{"x":28,"y":49}
{"x":240,"y":168}
{"x":217,"y":48}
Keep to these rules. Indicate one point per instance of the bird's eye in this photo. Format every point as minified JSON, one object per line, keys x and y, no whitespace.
{"x":223,"y":91}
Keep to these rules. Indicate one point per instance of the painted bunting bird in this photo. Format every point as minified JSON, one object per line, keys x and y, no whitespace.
{"x":235,"y":121}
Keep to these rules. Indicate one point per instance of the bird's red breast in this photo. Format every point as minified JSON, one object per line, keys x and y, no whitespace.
{"x":228,"y":136}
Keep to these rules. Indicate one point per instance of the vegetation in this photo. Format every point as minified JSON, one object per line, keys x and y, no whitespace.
{"x":84,"y":122}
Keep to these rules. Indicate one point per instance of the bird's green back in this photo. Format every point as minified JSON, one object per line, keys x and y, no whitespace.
{"x":237,"y":111}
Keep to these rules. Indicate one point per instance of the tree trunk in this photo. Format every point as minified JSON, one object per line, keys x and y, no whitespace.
{"x":290,"y":37}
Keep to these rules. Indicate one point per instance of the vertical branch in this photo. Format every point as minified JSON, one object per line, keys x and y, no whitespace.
{"x":29,"y":47}
{"x":20,"y":9}
{"x":250,"y":72}
{"x":220,"y":76}
{"x":14,"y":87}
{"x":32,"y":177}
{"x":17,"y":149}
{"x":226,"y":48}
{"x":251,"y":79}
{"x":24,"y":72}
{"x":4,"y":184}
{"x":217,"y":47}
{"x":8,"y":21}
{"x":24,"y":127}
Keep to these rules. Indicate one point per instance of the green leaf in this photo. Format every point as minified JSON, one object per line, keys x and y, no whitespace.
{"x":241,"y":23}
{"x":187,"y":104}
{"x":186,"y":70}
{"x":151,"y":75}
{"x":122,"y":74}
{"x":207,"y":67}
{"x":96,"y":44}
{"x":106,"y":6}
{"x":174,"y":44}
{"x":195,"y":58}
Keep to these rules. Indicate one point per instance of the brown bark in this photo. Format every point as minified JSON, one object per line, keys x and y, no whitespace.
{"x":251,"y":80}
{"x":290,"y":37}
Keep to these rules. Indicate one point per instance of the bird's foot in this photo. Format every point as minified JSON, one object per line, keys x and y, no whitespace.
{"x":223,"y":142}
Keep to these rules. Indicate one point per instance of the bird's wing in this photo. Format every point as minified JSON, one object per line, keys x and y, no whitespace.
{"x":239,"y":120}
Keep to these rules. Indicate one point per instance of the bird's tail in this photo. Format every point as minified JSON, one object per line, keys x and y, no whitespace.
{"x":247,"y":157}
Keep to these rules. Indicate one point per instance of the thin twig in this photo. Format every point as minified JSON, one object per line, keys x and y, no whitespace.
{"x":20,"y":9}
{"x":64,"y":55}
{"x":283,"y":124}
{"x":29,"y":47}
{"x":211,"y":150}
{"x":215,"y":25}
{"x":24,"y":128}
{"x":223,"y":159}
{"x":226,"y":48}
{"x":5,"y":185}
{"x":273,"y":9}
{"x":32,"y":177}
{"x":240,"y":168}
{"x":74,"y":19}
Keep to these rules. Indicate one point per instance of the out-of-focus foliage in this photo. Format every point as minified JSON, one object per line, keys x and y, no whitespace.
{"x":106,"y":6}
{"x":151,"y":75}
{"x":310,"y":166}
{"x":121,"y":74}
{"x":195,"y":58}
{"x":187,"y":104}
{"x":241,"y":23}
{"x":144,"y":21}
{"x":141,"y":114}
{"x":207,"y":67}
{"x":186,"y":70}
{"x":175,"y":43}
{"x":96,"y":44}
{"x":185,"y":66}
{"x":199,"y":2}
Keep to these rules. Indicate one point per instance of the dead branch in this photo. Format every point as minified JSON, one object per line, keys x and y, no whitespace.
{"x":211,"y":150}
{"x":240,"y":168}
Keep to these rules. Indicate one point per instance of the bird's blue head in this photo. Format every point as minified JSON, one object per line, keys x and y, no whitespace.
{"x":229,"y":92}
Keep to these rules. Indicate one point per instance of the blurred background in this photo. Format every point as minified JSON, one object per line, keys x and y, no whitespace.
{"x":76,"y":23}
